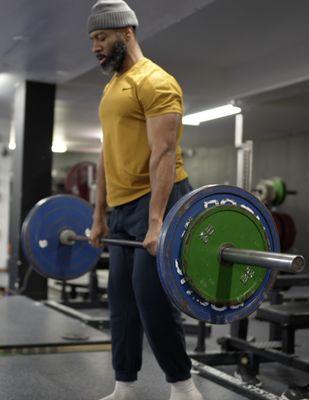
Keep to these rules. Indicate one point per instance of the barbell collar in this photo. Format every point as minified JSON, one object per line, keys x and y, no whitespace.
{"x":274,"y":261}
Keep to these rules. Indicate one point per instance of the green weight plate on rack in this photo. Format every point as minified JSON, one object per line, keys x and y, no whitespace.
{"x":280,"y":190}
{"x":215,"y":282}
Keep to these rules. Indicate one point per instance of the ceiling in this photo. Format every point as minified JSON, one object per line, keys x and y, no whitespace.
{"x":219,"y":50}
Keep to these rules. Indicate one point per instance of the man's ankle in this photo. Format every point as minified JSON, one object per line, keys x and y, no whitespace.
{"x":123,"y":391}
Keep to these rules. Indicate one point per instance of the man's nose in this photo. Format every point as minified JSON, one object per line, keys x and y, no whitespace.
{"x":96,"y":47}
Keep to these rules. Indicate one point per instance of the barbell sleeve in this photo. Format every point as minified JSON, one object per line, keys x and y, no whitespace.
{"x":274,"y":261}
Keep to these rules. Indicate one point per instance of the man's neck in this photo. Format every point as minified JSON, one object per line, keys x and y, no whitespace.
{"x":134,"y":55}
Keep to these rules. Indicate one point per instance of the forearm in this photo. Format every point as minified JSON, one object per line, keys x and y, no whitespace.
{"x":162,"y":178}
{"x":101,"y":204}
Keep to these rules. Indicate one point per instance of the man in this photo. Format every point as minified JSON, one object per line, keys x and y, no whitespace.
{"x":141,"y":176}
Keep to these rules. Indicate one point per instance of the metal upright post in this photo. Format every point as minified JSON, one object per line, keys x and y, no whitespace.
{"x":244,"y":181}
{"x":32,"y":163}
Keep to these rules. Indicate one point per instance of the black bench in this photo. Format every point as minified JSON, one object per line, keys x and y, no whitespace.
{"x":290,"y":316}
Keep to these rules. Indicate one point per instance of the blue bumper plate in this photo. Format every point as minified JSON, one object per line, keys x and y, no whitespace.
{"x":169,"y":258}
{"x":40,"y":237}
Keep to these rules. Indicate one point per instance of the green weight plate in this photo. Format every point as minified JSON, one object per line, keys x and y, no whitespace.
{"x":280,"y":190}
{"x":223,"y":284}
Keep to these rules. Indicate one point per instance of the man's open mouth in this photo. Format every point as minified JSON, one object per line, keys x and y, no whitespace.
{"x":102,"y":58}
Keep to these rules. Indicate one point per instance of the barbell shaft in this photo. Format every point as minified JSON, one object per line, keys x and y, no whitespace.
{"x":274,"y":261}
{"x":231,"y":255}
{"x":114,"y":242}
{"x":68,"y":237}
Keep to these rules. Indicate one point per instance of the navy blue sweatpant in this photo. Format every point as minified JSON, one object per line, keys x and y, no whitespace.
{"x":137,"y":300}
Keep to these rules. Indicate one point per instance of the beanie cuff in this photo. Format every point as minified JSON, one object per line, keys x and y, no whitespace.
{"x":112,"y":20}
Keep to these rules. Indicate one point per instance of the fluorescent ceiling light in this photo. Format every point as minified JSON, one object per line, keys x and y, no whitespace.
{"x":208,"y":115}
{"x":5,"y":79}
{"x":12,"y":141}
{"x":12,"y":144}
{"x":59,"y":147}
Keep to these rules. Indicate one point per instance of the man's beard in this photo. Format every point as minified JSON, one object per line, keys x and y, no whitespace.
{"x":115,"y":59}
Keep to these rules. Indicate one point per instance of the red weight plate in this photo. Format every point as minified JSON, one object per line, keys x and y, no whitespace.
{"x":80,"y":179}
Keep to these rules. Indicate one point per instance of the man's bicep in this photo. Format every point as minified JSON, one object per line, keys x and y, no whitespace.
{"x":162,"y":130}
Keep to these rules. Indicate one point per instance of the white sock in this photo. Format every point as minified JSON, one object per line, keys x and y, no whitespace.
{"x":123,"y":391}
{"x":185,"y":390}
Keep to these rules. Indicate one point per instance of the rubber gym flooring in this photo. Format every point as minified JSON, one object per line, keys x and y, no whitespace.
{"x":83,"y":376}
{"x":88,"y":375}
{"x":26,"y":322}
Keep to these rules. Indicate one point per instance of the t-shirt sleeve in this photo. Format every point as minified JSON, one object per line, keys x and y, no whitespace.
{"x":160,"y":94}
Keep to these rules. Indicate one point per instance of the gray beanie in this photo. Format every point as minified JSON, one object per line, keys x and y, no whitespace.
{"x":111,"y":14}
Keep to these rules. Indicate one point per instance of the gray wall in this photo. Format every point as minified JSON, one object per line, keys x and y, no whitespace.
{"x":210,"y":165}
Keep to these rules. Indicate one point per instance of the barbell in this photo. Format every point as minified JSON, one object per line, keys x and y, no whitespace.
{"x":218,"y":251}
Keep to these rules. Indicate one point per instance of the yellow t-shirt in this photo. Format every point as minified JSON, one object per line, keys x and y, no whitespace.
{"x":145,"y":90}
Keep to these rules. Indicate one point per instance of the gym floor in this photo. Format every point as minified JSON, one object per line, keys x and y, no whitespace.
{"x":88,"y":374}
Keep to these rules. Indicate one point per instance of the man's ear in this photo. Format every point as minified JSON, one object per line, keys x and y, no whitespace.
{"x":128,"y":33}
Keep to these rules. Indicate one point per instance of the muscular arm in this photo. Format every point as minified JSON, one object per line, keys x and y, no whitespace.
{"x":162,"y":138}
{"x":99,"y":226}
{"x":100,"y":206}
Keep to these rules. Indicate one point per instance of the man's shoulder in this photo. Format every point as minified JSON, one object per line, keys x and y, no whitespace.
{"x":150,"y":73}
{"x":151,"y":66}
